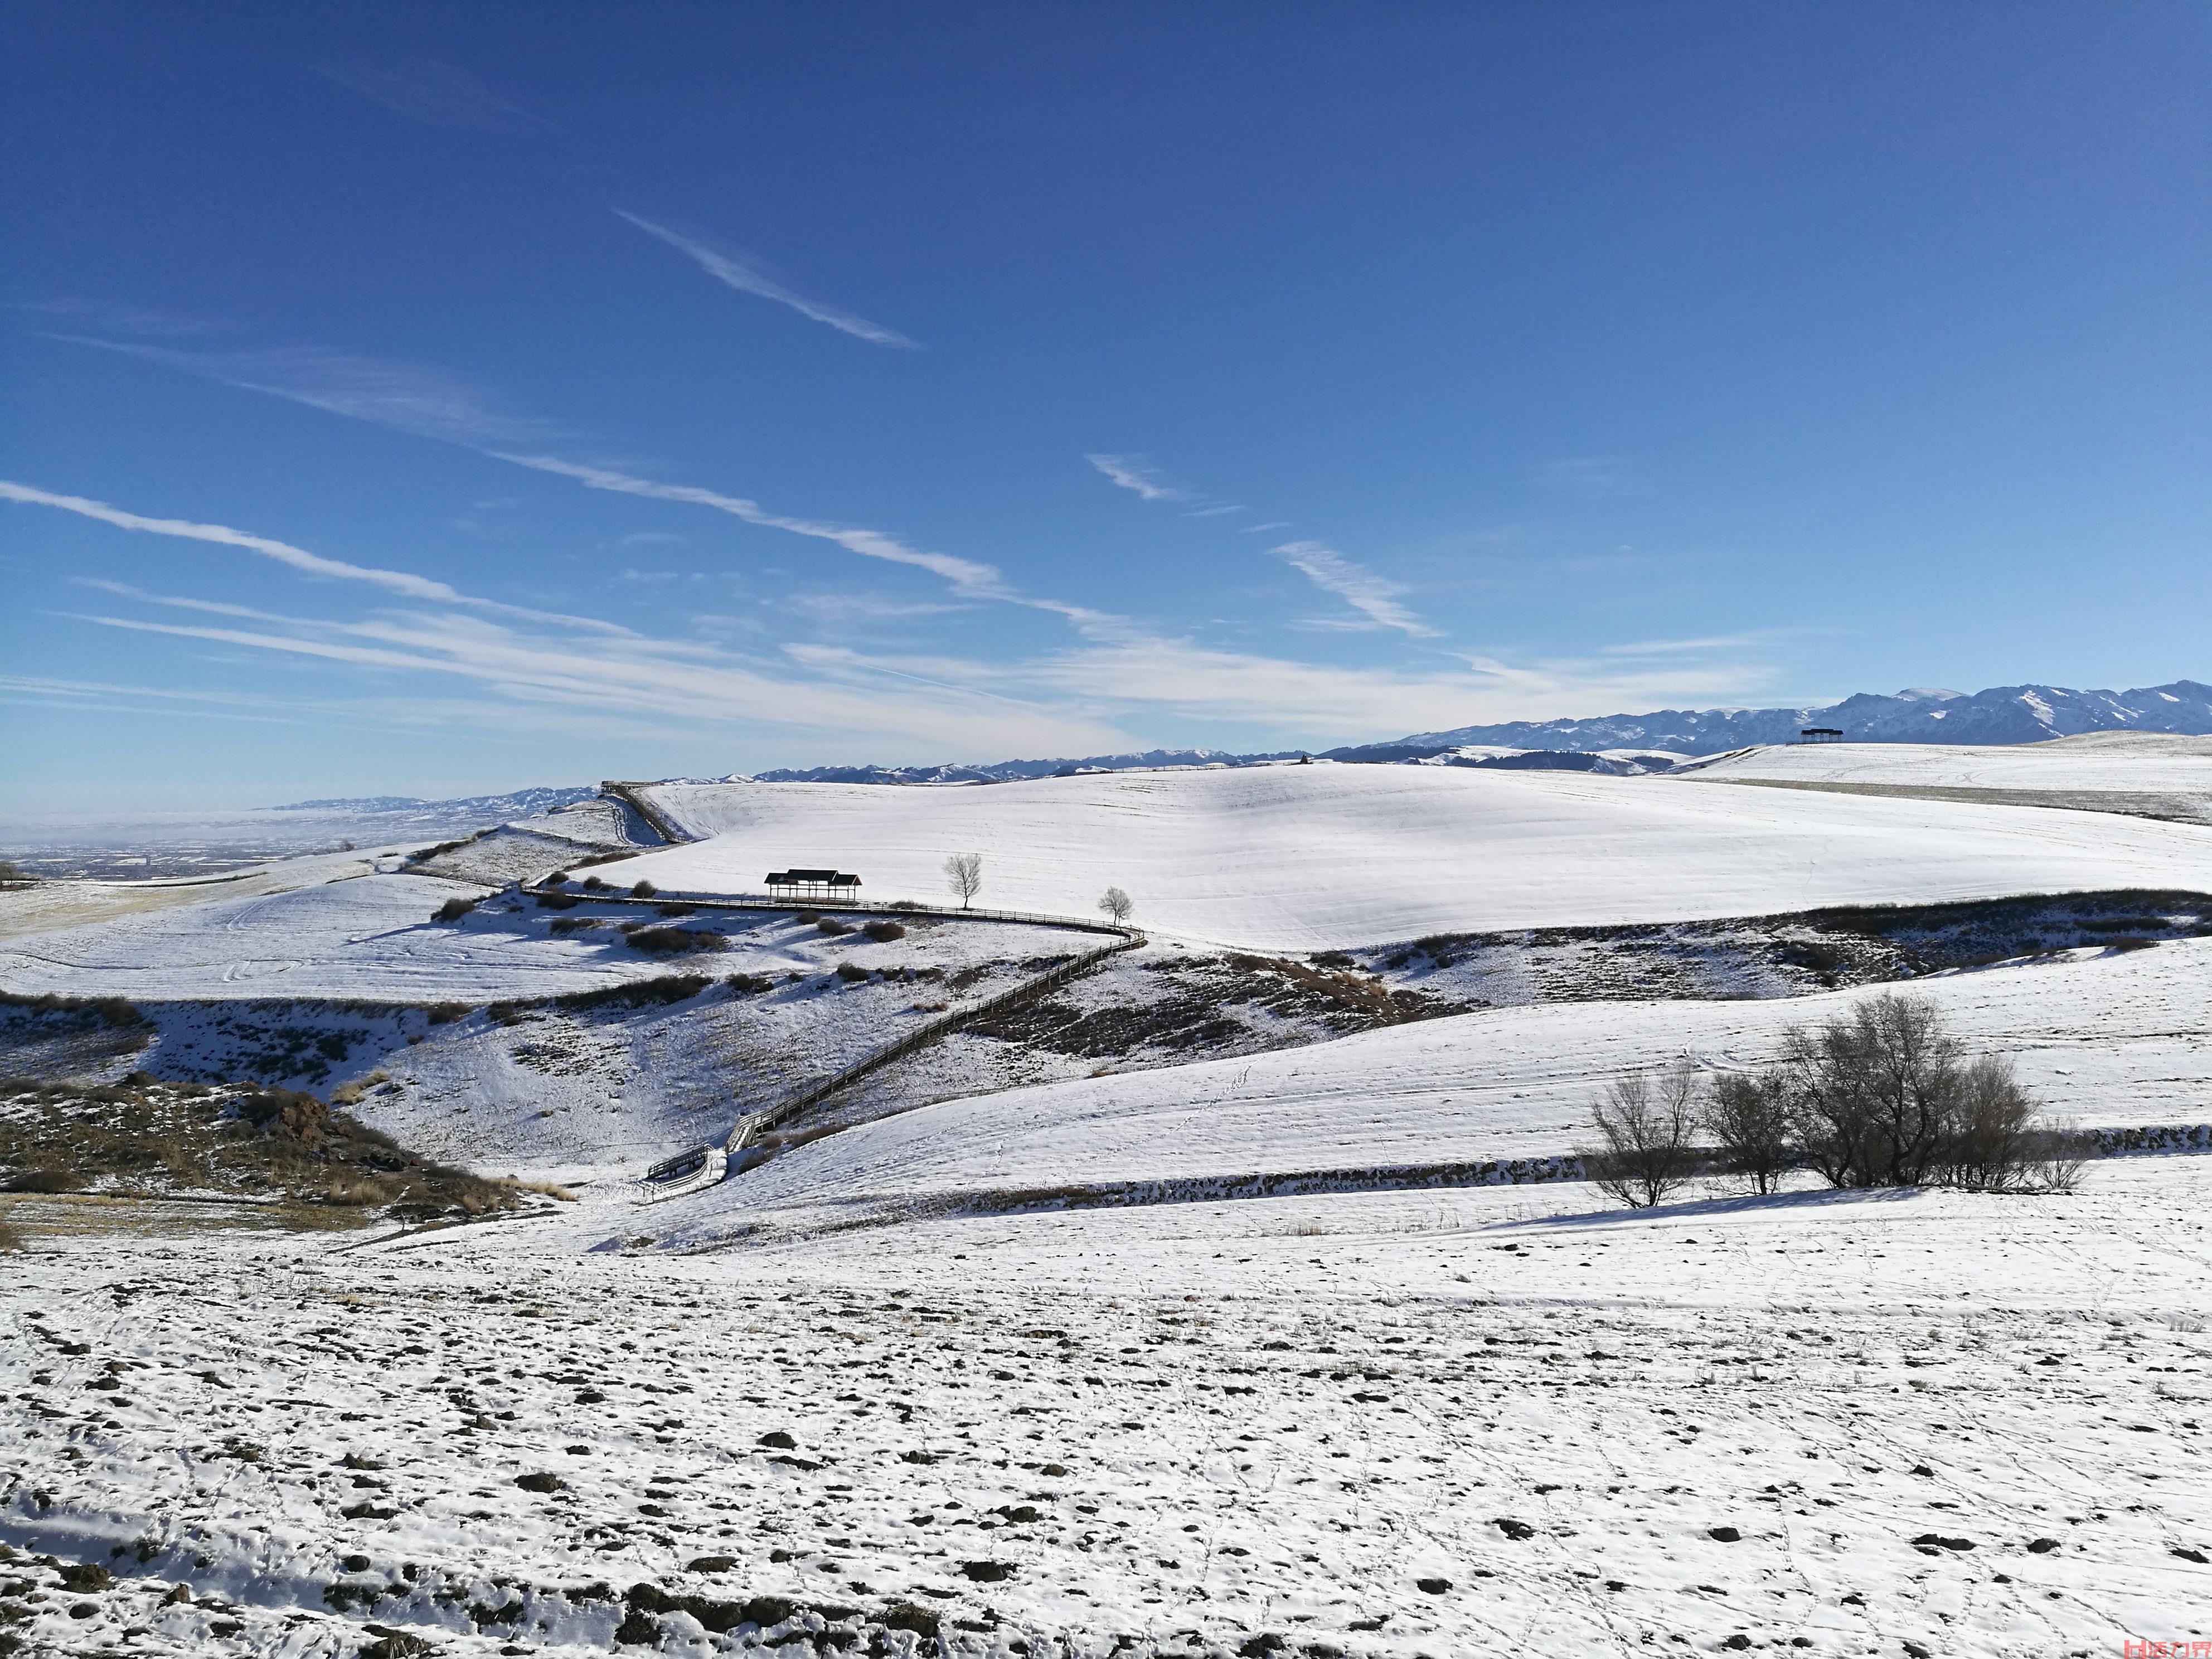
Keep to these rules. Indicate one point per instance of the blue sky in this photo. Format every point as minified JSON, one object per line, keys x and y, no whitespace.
{"x":429,"y":399}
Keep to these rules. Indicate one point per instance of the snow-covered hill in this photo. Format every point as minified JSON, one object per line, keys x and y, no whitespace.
{"x":2107,"y":1038}
{"x":1306,"y":858}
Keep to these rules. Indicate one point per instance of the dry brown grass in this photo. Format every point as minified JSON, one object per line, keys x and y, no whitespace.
{"x":543,"y":1189}
{"x":350,"y":1094}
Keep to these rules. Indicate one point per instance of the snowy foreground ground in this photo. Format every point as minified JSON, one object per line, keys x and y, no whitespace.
{"x":1482,"y":1421}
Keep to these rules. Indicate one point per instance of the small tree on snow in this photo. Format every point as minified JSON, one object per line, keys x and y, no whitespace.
{"x":1117,"y":905}
{"x":963,"y":874}
{"x":1646,"y":1132}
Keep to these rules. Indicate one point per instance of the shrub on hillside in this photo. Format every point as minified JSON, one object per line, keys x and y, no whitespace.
{"x":636,"y":993}
{"x":676,"y":909}
{"x":556,"y":902}
{"x":830,"y":928}
{"x":675,"y":941}
{"x":884,"y":932}
{"x":454,"y":908}
{"x":851,"y":973}
{"x":10,"y":1238}
{"x":643,"y":889}
{"x":594,"y":884}
{"x":445,"y":1013}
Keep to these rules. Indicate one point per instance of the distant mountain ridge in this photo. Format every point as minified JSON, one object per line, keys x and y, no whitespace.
{"x":520,"y":803}
{"x":2002,"y":714}
{"x":1013,"y":770}
{"x":1604,"y":743}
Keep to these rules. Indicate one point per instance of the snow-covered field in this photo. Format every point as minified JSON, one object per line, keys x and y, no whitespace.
{"x":1475,"y":1422}
{"x":1306,"y":858}
{"x":2118,"y":761}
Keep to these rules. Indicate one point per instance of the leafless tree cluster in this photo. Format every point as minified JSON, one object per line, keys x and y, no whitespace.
{"x":1882,"y":1097}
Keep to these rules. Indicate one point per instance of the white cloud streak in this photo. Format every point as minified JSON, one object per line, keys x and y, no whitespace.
{"x":728,"y":268}
{"x":313,"y":564}
{"x":433,"y":91}
{"x":402,"y":582}
{"x":1134,"y":472}
{"x":967,"y":577}
{"x":429,"y":403}
{"x":1374,"y":597}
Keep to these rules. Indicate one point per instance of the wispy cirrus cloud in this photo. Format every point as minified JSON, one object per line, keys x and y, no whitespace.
{"x":434,"y":92}
{"x":404,"y":583}
{"x":1749,"y":640}
{"x":119,"y":320}
{"x":544,"y":659}
{"x":838,"y":697}
{"x":430,"y":403}
{"x":1374,"y":597}
{"x":1136,"y":474}
{"x":313,"y":564}
{"x":747,"y":278}
{"x":968,"y":577}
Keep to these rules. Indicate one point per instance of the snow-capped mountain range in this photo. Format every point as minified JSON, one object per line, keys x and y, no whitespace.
{"x":2002,"y":714}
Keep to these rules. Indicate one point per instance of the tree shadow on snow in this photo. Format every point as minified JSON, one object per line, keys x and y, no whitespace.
{"x":1720,"y":1208}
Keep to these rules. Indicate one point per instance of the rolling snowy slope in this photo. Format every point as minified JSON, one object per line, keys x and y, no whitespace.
{"x":369,"y":938}
{"x":1302,"y":858}
{"x":2127,"y":762}
{"x":2108,"y":1038}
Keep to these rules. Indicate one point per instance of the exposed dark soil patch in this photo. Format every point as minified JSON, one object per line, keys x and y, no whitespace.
{"x":1194,"y":1004}
{"x":1773,"y":956}
{"x":145,"y":1136}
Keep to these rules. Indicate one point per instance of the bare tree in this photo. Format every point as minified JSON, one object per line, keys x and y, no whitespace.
{"x":1873,"y":1091}
{"x":1747,"y":1116}
{"x":1117,"y":905}
{"x":963,"y":874}
{"x":1989,"y":1143}
{"x":1647,"y":1152}
{"x":2058,"y":1149}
